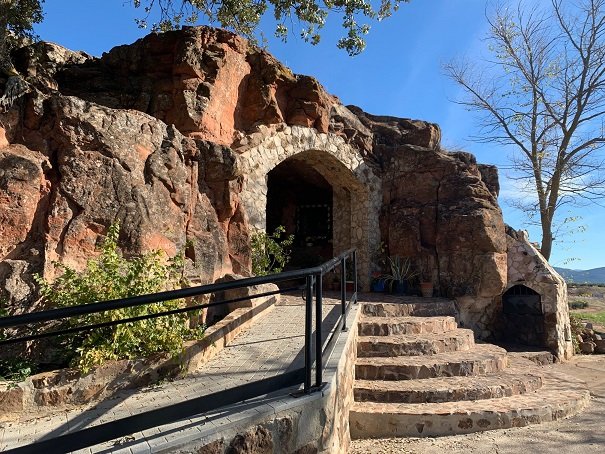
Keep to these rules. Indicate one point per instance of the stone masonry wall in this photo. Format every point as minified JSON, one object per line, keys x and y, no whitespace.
{"x":528,"y":267}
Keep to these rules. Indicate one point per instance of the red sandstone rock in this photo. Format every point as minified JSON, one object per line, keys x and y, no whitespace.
{"x":22,"y":187}
{"x":99,"y":165}
{"x":435,"y":204}
{"x":3,"y":139}
{"x":142,"y":135}
{"x":208,"y":82}
{"x":395,"y":131}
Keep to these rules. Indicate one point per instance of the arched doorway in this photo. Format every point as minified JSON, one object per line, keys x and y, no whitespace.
{"x":524,"y":316}
{"x":324,"y":180}
{"x":300,"y":199}
{"x":319,"y":200}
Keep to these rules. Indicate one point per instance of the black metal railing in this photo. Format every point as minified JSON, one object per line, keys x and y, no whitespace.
{"x":313,"y":358}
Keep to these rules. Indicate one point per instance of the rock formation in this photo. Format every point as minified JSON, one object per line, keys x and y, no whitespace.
{"x":165,"y":135}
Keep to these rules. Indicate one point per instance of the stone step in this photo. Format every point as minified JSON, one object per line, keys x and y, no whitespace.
{"x":448,"y":389}
{"x":387,"y":326}
{"x":480,"y":360}
{"x":417,"y":344}
{"x":541,"y":358}
{"x":557,"y":399}
{"x":418,"y":307}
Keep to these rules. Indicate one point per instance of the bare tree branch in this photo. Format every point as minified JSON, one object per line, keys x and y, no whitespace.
{"x":544,"y":93}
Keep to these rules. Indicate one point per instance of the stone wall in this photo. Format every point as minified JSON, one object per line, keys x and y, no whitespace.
{"x":526,"y":266}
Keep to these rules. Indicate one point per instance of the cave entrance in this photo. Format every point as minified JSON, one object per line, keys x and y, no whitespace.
{"x":301,"y":199}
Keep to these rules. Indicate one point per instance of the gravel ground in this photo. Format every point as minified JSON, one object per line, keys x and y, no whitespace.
{"x":584,"y":433}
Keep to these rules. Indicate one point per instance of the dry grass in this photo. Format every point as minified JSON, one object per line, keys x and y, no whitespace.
{"x":595,"y":297}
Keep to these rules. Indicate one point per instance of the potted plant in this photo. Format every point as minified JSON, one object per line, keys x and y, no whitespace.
{"x":378,"y":283}
{"x":402,"y":271}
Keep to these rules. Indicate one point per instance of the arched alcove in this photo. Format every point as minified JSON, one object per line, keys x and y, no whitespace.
{"x":523,"y":316}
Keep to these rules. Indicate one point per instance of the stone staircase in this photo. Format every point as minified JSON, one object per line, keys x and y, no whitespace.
{"x":417,"y":375}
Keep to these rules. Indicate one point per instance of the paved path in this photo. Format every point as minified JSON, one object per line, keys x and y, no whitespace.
{"x":581,"y":434}
{"x":270,"y":347}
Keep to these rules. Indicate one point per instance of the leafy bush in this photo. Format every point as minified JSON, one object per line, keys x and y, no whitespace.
{"x":15,"y":369}
{"x":111,"y":276}
{"x":270,"y":253}
{"x":578,"y":304}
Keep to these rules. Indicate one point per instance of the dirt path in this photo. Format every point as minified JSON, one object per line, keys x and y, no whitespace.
{"x":584,"y":433}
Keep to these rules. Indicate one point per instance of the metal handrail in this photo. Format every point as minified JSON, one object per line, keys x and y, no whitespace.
{"x":102,"y":306}
{"x":313,"y":288}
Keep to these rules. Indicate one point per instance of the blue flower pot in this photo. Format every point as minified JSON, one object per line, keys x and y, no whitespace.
{"x":399,"y":288}
{"x":378,"y":286}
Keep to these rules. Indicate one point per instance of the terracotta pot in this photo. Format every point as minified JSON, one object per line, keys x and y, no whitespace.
{"x":426,"y":288}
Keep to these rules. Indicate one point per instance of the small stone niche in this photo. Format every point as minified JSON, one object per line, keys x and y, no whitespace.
{"x":534,"y":303}
{"x":523,"y":316}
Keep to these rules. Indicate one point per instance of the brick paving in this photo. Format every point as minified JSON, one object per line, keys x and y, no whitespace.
{"x":273,"y":345}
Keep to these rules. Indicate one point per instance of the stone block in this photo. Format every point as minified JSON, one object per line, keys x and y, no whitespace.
{"x":599,"y":346}
{"x":243,"y":295}
{"x":11,"y":401}
{"x":587,"y":347}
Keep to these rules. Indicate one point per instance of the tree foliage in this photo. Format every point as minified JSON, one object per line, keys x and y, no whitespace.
{"x":543,"y":92}
{"x":17,"y":18}
{"x":244,"y":16}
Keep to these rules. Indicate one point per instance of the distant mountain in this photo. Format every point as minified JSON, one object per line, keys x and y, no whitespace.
{"x":594,"y":276}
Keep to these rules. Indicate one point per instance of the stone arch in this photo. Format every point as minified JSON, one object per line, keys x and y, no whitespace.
{"x":356,"y":187}
{"x":524,"y":316}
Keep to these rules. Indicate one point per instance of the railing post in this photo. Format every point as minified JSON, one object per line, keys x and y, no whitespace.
{"x":343,"y":291}
{"x":308,"y":333}
{"x":355,"y":275}
{"x":318,"y":336}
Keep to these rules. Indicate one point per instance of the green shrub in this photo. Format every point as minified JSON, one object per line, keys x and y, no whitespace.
{"x":15,"y":369}
{"x":578,"y":304}
{"x":270,"y":253}
{"x":111,"y":276}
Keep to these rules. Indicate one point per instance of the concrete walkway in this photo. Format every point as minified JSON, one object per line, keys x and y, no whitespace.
{"x":273,"y":345}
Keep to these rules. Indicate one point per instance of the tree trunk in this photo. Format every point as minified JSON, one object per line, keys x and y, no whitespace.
{"x":546,"y":246}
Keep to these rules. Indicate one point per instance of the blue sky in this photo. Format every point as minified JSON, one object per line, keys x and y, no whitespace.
{"x":398,"y":74}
